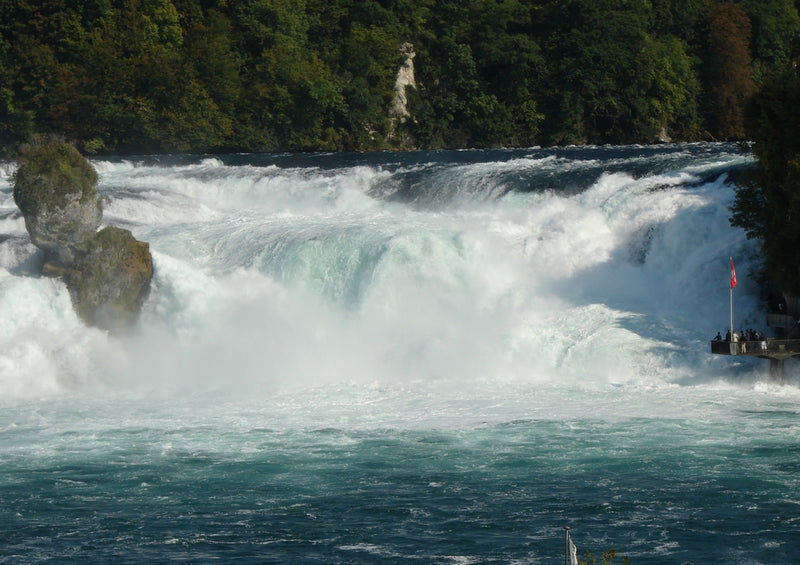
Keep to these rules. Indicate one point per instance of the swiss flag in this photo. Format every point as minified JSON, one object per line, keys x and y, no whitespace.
{"x":733,"y":274}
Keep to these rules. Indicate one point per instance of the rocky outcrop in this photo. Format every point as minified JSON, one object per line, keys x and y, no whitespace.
{"x":56,"y":190}
{"x":108,"y":273}
{"x":405,"y":78}
{"x":112,"y":279}
{"x":662,"y":136}
{"x":398,"y":113}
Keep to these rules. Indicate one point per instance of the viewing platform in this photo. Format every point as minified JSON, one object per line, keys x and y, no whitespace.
{"x":769,"y":348}
{"x":776,"y":350}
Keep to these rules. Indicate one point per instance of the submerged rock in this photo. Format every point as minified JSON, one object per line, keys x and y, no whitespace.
{"x":108,"y":273}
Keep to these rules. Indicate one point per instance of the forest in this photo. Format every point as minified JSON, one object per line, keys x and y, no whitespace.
{"x":146,"y":76}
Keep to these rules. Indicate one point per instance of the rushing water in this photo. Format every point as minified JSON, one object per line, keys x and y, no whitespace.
{"x":433,"y":357}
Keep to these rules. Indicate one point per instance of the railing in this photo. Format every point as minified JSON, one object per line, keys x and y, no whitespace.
{"x":774,"y":348}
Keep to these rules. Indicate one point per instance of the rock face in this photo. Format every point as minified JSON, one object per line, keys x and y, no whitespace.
{"x":398,"y":113}
{"x":108,"y":273}
{"x":405,"y":79}
{"x":112,"y":279}
{"x":56,"y":190}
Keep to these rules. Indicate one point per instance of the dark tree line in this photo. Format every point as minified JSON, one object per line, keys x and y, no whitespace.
{"x":267,"y":75}
{"x":767,"y":202}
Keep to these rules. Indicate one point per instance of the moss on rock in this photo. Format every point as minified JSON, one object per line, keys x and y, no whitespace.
{"x":55,"y":187}
{"x":112,"y":279}
{"x":108,"y":273}
{"x":51,"y":173}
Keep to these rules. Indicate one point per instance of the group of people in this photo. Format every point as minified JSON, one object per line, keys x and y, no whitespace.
{"x":745,"y":336}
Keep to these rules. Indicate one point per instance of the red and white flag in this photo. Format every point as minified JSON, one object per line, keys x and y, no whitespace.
{"x":733,"y":275}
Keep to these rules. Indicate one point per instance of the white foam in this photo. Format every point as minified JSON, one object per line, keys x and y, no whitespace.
{"x":274,"y":279}
{"x":44,"y":348}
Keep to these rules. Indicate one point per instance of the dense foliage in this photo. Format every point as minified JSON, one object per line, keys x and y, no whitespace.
{"x":767,"y":203}
{"x":265,"y":75}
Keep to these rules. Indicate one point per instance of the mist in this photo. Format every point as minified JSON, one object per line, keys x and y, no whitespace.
{"x":272,"y":279}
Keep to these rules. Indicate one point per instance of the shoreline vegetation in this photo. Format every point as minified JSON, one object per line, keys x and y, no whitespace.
{"x":767,"y":203}
{"x":215,"y":76}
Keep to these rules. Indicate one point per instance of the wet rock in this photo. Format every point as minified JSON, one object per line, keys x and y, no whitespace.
{"x":56,"y":189}
{"x":111,"y":280}
{"x":108,"y":273}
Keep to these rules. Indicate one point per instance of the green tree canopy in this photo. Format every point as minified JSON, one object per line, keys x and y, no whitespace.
{"x":267,"y":75}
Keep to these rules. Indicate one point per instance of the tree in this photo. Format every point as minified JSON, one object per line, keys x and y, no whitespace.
{"x":729,"y":71}
{"x":597,"y":85}
{"x":289,"y":94}
{"x":510,"y":63}
{"x":775,"y":28}
{"x":671,"y":90}
{"x":768,"y":205}
{"x":209,"y":47}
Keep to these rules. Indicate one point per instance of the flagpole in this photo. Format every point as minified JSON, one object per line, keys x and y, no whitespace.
{"x":731,"y":313}
{"x":734,"y":347}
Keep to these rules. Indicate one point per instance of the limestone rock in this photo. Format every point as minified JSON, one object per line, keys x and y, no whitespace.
{"x":111,"y":280}
{"x":56,"y":190}
{"x":108,"y":273}
{"x":399,"y":113}
{"x":405,"y":79}
{"x":663,"y":136}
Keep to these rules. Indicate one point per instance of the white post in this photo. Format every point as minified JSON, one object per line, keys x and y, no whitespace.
{"x":566,"y":545}
{"x":734,"y":345}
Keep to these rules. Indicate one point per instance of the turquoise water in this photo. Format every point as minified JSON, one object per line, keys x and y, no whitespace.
{"x":431,"y":357}
{"x":161,"y":484}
